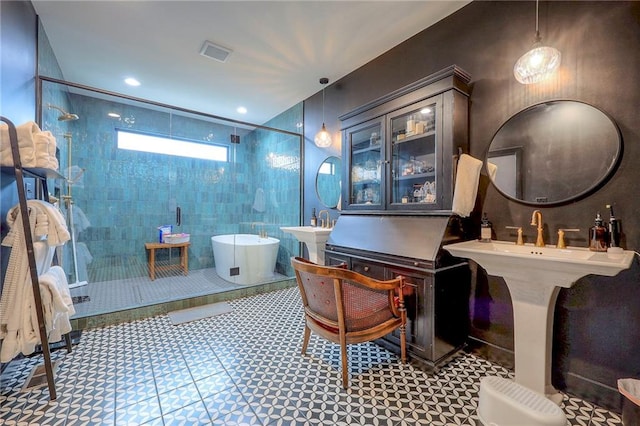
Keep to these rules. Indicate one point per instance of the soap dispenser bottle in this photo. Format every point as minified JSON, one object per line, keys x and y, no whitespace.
{"x":485,"y":229}
{"x":598,"y":235}
{"x":314,"y":218}
{"x":614,"y":228}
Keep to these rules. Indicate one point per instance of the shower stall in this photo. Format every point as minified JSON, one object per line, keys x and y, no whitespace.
{"x":123,"y":192}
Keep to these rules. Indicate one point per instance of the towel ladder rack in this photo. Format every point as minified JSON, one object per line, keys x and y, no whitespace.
{"x":22,"y":200}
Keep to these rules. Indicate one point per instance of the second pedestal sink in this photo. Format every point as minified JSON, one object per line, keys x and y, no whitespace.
{"x":534,"y":276}
{"x":314,"y":237}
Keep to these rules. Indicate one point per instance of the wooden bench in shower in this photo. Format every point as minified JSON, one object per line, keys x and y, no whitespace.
{"x":184,"y":257}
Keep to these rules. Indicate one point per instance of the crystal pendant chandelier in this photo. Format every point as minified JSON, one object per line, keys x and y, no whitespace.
{"x":323,"y":137}
{"x":539,"y":63}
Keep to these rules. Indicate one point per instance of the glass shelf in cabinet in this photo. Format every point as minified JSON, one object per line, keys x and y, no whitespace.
{"x":366,"y":182}
{"x":367,"y":149}
{"x":413,"y":137}
{"x":415,"y":176}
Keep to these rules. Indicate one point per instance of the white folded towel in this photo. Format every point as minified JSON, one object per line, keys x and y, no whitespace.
{"x":26,"y":144}
{"x":466,"y":187}
{"x":41,"y":149}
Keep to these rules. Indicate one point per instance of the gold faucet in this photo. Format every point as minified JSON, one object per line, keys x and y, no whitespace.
{"x":520,"y":240}
{"x":561,"y":243}
{"x":536,"y":220}
{"x":262,"y":233}
{"x":323,"y":223}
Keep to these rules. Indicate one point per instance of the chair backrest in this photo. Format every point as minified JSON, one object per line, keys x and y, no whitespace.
{"x":340,"y":298}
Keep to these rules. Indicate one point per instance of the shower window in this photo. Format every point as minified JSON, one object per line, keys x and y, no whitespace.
{"x":163,"y":145}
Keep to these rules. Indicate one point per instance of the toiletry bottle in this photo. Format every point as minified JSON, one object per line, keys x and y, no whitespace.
{"x":485,"y":229}
{"x":314,"y":218}
{"x":614,"y":228}
{"x":598,"y":235}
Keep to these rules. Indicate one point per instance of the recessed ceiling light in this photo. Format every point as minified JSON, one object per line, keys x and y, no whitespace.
{"x":113,"y":115}
{"x":241,"y":110}
{"x":132,"y":81}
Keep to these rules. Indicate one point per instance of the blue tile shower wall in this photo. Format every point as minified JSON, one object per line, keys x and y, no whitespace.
{"x":126,"y":195}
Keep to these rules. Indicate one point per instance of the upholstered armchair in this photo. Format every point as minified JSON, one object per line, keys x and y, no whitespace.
{"x":346,"y":307}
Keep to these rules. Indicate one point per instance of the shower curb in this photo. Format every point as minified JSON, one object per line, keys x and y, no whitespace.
{"x":128,"y":315}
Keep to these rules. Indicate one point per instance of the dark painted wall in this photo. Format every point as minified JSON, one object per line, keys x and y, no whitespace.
{"x":18,"y":43}
{"x":18,"y":61}
{"x":597,"y":330}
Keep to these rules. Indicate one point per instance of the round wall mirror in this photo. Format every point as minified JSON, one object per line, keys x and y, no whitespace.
{"x":554,"y":152}
{"x":328,"y":182}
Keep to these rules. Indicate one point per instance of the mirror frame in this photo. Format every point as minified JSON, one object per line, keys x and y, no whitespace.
{"x":337,"y":161}
{"x":513,"y":155}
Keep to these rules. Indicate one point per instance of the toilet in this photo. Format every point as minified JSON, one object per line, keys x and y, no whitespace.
{"x":503,"y":402}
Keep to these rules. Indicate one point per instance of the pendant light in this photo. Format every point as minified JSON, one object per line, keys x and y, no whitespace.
{"x":539,"y":63}
{"x":323,"y":138}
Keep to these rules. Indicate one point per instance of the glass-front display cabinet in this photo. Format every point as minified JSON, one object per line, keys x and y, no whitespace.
{"x":366,"y":172}
{"x":413,"y":155}
{"x":401,"y":150}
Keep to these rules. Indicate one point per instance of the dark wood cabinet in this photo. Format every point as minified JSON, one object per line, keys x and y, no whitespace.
{"x":400,"y":154}
{"x":399,"y":151}
{"x":436,"y":303}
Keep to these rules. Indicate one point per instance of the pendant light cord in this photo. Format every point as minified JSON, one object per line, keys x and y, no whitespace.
{"x":323,"y":103}
{"x":323,"y":81}
{"x":537,"y":30}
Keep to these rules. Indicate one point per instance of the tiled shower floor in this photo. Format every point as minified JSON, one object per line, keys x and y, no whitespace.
{"x":245,"y":367}
{"x":115,"y":295}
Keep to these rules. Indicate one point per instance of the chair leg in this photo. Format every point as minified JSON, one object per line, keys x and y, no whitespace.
{"x":345,"y":364}
{"x":403,"y":343}
{"x":305,"y":339}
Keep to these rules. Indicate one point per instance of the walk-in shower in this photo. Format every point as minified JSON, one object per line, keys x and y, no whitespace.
{"x":121,"y":196}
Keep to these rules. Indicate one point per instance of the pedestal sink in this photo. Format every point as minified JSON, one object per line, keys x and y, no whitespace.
{"x":314,"y":237}
{"x":534,"y":276}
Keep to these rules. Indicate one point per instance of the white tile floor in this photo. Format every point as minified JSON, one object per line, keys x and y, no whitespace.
{"x":245,"y":368}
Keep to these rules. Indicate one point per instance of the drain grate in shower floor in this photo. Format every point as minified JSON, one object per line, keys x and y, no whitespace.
{"x":80,"y":299}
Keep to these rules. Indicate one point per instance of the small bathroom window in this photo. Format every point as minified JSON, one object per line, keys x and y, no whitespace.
{"x":164,"y":145}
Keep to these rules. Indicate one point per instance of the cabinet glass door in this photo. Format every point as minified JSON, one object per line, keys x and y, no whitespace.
{"x":365,"y":172}
{"x":414,"y":174}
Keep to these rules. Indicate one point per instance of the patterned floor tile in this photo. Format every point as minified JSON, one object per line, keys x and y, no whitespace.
{"x":245,"y":368}
{"x":189,"y":415}
{"x":182,"y":396}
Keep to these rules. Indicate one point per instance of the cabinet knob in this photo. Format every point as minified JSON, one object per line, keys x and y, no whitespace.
{"x":366,"y":269}
{"x":416,"y":263}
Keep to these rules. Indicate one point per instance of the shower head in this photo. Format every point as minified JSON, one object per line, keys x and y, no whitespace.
{"x":65,"y":115}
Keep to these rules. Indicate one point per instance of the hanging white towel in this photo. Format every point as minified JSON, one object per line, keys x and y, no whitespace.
{"x":18,"y":318}
{"x":466,"y":188}
{"x":259,"y":203}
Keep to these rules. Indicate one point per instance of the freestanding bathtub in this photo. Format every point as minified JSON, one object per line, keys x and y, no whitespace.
{"x":245,"y":258}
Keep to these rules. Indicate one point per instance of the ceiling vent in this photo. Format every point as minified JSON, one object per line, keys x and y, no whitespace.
{"x":214,"y":51}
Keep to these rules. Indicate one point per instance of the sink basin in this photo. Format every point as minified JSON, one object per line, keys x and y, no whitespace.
{"x":314,"y":237}
{"x":534,"y":276}
{"x":561,"y":267}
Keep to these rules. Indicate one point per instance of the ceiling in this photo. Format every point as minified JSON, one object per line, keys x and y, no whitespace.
{"x":280,"y":49}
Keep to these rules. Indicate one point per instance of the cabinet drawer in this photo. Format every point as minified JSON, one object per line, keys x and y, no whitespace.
{"x":372,"y":270}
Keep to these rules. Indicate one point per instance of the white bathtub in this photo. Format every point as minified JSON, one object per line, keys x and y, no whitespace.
{"x":254,"y":257}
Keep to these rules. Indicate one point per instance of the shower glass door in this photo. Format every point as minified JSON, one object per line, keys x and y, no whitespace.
{"x":122,"y":194}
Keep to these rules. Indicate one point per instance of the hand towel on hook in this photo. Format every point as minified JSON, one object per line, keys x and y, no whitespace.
{"x":466,"y":187}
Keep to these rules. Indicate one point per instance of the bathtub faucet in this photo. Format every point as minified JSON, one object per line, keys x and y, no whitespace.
{"x":262,"y":233}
